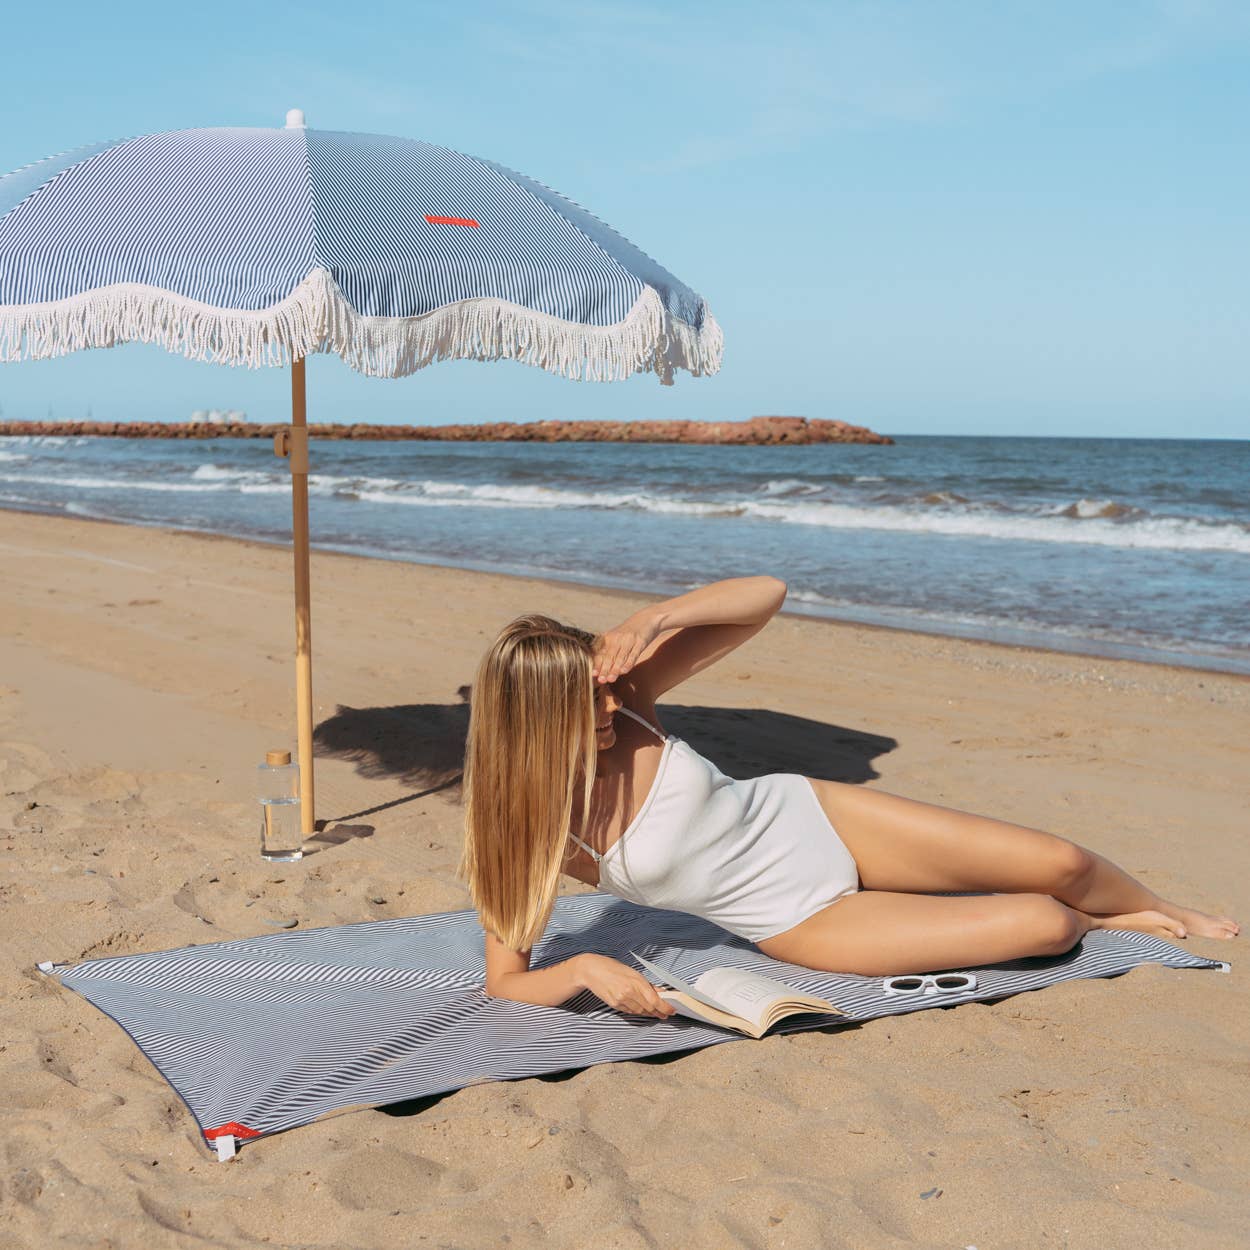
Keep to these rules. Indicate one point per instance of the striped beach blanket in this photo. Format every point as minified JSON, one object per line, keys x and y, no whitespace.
{"x":265,"y":1034}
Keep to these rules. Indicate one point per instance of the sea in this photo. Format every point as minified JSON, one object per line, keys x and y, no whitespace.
{"x":1135,"y":548}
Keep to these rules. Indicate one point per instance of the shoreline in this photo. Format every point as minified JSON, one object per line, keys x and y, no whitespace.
{"x":1113,"y":653}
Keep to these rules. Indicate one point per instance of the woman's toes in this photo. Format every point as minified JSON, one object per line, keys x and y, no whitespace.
{"x":1200,"y":924}
{"x":1215,"y":927}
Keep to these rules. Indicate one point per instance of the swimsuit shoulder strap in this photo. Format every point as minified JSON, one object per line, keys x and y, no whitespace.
{"x":590,"y":850}
{"x":643,"y":721}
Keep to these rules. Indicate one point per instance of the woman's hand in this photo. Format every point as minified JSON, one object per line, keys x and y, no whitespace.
{"x":621,"y":987}
{"x":617,"y":651}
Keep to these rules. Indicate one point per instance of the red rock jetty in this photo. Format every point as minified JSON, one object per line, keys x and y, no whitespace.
{"x":757,"y":431}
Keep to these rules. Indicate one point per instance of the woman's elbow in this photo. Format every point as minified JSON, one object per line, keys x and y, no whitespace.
{"x":779,"y":590}
{"x":497,"y":987}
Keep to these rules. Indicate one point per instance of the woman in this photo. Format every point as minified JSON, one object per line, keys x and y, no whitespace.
{"x":567,"y":771}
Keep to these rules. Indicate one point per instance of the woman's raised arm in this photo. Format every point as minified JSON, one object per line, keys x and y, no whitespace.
{"x":663,"y":644}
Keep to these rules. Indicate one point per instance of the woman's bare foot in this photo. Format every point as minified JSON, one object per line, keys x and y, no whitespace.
{"x":1199,"y":923}
{"x":1154,"y":922}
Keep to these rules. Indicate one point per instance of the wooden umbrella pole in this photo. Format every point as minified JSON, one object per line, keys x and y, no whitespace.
{"x":297,"y":449}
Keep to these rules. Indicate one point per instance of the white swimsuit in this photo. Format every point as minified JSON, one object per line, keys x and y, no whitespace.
{"x":755,"y":857}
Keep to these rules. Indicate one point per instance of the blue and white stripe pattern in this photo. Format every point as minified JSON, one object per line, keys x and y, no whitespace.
{"x":255,"y":245}
{"x":272,"y":1032}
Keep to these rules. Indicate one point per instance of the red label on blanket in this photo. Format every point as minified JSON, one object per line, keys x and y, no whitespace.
{"x":451,"y":221}
{"x":232,"y":1130}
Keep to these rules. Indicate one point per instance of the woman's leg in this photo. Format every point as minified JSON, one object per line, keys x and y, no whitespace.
{"x":900,"y":844}
{"x":878,"y":933}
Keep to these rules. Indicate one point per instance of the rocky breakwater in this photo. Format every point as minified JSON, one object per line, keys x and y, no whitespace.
{"x":755,"y":432}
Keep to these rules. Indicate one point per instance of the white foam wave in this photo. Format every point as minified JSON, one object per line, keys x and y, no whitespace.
{"x":943,"y":497}
{"x":1096,"y":522}
{"x":1085,"y":509}
{"x":550,"y":497}
{"x":789,"y":486}
{"x":40,"y":440}
{"x":1168,"y":533}
{"x":219,"y":473}
{"x":869,"y":477}
{"x":104,"y":483}
{"x":425,"y":501}
{"x":12,"y":455}
{"x":1164,"y":533}
{"x":262,"y":482}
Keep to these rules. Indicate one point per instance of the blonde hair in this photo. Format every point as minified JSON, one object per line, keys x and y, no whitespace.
{"x":531,"y":745}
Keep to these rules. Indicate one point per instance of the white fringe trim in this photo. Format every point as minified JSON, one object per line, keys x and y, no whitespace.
{"x":315,"y":317}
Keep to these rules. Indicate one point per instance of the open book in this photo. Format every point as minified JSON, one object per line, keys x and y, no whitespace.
{"x":734,"y":999}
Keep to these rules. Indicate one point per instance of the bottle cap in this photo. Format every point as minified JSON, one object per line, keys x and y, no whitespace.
{"x":277,"y":757}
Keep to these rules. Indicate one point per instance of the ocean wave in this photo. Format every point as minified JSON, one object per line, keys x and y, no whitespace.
{"x":1085,"y":509}
{"x":789,"y":486}
{"x":1099,"y":522}
{"x":495,"y":494}
{"x":220,"y":473}
{"x":212,"y":479}
{"x":12,"y":455}
{"x":1168,"y":533}
{"x":1164,"y":533}
{"x":268,"y":482}
{"x":44,"y":440}
{"x":104,"y":483}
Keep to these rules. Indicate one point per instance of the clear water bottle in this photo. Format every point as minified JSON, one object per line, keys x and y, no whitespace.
{"x":277,"y":786}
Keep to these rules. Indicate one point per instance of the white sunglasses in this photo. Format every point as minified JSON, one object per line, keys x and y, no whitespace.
{"x":934,"y":983}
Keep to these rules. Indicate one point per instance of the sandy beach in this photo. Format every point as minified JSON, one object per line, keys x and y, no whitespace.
{"x":143,"y":674}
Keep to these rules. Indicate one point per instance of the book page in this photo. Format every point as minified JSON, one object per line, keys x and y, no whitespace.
{"x":745,"y":994}
{"x":686,"y":1006}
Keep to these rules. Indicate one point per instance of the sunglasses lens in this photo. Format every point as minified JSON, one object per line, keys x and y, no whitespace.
{"x":952,"y":982}
{"x":906,"y":983}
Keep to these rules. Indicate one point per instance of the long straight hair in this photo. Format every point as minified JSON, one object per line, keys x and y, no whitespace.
{"x":531,"y":746}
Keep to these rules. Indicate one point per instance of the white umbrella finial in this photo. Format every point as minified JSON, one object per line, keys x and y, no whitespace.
{"x":295,"y":119}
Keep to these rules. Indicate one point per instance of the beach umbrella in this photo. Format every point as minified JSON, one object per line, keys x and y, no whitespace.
{"x":260,"y":245}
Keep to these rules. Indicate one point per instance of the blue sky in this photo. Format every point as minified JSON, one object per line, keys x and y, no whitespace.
{"x":964,"y":218}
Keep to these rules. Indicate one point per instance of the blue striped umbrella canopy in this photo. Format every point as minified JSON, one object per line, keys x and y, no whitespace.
{"x":261,"y":245}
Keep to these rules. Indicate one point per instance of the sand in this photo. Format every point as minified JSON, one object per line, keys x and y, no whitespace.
{"x":144,"y":672}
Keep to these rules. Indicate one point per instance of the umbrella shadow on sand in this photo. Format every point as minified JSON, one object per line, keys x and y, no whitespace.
{"x":421,"y":745}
